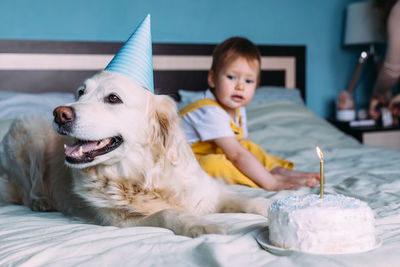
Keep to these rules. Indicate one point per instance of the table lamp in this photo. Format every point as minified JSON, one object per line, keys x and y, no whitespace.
{"x":362,"y":29}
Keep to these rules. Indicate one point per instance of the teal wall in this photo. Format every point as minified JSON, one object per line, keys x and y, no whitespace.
{"x":318,"y":24}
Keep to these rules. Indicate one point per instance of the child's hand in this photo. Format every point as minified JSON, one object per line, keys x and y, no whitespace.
{"x":286,"y":179}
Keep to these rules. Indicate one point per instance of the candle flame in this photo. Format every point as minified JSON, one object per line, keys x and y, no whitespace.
{"x":319,"y":152}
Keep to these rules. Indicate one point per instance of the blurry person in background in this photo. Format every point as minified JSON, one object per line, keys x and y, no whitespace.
{"x":389,"y":73}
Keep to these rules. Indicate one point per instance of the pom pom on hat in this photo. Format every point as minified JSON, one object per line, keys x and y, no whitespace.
{"x":134,"y":59}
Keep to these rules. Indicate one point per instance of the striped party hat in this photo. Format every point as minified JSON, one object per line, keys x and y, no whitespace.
{"x":134,"y":59}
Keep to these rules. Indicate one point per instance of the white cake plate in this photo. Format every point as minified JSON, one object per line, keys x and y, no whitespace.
{"x":263,"y":240}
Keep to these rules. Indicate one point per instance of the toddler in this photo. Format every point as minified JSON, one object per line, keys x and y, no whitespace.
{"x":216,"y":128}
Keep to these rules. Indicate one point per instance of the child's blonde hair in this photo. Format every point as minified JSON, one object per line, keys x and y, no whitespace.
{"x":232,"y":48}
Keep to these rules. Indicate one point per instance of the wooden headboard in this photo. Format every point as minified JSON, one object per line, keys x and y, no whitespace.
{"x":43,"y":66}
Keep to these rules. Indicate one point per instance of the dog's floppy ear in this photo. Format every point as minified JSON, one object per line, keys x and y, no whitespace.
{"x":164,"y":120}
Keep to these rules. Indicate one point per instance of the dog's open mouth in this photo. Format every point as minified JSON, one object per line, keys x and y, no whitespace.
{"x":84,"y":151}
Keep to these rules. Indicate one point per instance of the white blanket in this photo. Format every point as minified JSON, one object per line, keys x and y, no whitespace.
{"x":284,"y":129}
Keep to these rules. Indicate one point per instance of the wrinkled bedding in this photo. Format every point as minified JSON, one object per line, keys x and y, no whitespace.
{"x":284,"y":129}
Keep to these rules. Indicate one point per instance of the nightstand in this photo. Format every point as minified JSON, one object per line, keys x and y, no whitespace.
{"x":388,"y":137}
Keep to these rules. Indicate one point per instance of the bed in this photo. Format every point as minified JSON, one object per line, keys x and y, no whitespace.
{"x":36,"y":76}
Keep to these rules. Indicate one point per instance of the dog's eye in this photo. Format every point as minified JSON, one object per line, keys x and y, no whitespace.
{"x":112,"y":99}
{"x":80,"y":91}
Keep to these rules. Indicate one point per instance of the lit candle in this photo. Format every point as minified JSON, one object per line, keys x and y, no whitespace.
{"x":321,"y":172}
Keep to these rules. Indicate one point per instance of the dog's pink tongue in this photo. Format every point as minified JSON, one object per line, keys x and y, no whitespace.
{"x":73,"y":150}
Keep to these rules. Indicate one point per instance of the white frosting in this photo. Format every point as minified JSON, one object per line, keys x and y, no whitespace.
{"x":334,"y":224}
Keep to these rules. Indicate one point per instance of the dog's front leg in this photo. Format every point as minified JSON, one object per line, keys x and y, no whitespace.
{"x":181,"y":223}
{"x":231,"y":202}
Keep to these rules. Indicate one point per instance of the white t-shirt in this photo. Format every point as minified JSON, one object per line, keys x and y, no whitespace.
{"x":210,"y":122}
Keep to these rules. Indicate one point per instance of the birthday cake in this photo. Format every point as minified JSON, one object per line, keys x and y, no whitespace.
{"x":333,"y":224}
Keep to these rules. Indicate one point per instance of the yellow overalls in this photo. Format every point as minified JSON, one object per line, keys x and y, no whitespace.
{"x":214,"y":161}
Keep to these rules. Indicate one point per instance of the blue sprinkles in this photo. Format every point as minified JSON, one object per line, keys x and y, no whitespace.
{"x":300,"y":202}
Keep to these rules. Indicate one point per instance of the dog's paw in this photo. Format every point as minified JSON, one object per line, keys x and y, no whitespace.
{"x":41,"y":204}
{"x":196,"y":230}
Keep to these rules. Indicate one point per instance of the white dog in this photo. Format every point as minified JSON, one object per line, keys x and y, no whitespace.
{"x":129,"y":164}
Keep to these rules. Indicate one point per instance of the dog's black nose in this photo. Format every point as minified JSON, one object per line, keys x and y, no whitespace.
{"x":63,"y":115}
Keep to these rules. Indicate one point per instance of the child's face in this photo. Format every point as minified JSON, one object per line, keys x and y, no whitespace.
{"x":235,"y":84}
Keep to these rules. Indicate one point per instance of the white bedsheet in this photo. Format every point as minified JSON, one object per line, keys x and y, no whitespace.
{"x":285,"y":129}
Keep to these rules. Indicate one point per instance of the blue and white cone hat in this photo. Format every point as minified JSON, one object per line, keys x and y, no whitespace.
{"x":134,"y":59}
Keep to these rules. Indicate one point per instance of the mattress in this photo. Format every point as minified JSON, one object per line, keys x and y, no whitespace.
{"x":283,"y":128}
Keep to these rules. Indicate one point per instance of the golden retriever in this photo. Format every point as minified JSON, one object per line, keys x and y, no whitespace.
{"x":120,"y":158}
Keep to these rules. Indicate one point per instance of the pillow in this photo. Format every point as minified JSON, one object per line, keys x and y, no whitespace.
{"x":264,"y":94}
{"x":15,"y":104}
{"x":268,"y":94}
{"x":186,"y":97}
